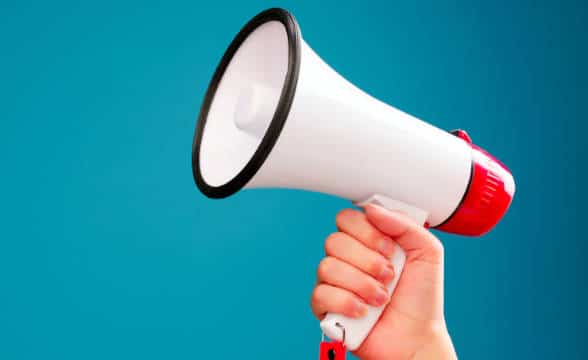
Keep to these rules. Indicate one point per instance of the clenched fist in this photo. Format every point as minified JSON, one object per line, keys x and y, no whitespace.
{"x":356,"y":270}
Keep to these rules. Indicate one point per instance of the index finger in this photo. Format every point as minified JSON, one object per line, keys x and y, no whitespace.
{"x":356,"y":224}
{"x":412,"y":237}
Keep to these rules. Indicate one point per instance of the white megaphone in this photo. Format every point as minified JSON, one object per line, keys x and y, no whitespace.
{"x":275,"y":115}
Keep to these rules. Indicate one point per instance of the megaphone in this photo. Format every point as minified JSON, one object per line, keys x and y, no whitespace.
{"x":275,"y":115}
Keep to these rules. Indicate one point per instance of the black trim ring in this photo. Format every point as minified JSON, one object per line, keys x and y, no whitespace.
{"x":280,"y":115}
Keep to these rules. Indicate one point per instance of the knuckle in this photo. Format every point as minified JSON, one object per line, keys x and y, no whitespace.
{"x":373,"y":235}
{"x":331,"y":242}
{"x":368,"y":289}
{"x":317,"y":302}
{"x":315,"y":297}
{"x":438,"y":248}
{"x":375,"y":267}
{"x":342,"y":216}
{"x":324,"y":267}
{"x":348,"y":305}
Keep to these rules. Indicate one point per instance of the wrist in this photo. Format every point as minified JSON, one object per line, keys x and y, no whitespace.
{"x":440,"y":346}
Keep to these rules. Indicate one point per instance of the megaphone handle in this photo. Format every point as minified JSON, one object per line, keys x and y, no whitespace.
{"x":356,"y":330}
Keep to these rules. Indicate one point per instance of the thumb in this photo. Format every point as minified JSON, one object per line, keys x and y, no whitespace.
{"x":417,"y":241}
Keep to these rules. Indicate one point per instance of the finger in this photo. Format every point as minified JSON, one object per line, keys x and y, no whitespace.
{"x":335,"y":272}
{"x":343,"y":247}
{"x":355,"y":223}
{"x":412,"y":237}
{"x":327,"y":298}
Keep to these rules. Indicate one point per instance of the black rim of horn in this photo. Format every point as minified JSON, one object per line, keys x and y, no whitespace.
{"x":280,"y":115}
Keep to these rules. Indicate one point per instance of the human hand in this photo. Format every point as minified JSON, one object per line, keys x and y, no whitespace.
{"x":356,"y":270}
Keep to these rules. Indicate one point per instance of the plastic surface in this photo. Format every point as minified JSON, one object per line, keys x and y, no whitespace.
{"x":341,"y":141}
{"x":487,"y":199}
{"x":332,"y":350}
{"x":356,"y":330}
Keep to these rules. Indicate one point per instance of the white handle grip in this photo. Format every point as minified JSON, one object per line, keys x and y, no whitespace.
{"x":356,"y":330}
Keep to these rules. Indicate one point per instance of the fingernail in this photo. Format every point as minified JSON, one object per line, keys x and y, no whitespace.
{"x":381,"y":297}
{"x":386,"y":246}
{"x":361,"y":309}
{"x":387,"y":274}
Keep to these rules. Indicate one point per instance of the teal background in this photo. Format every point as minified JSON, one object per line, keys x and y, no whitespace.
{"x":108,"y":251}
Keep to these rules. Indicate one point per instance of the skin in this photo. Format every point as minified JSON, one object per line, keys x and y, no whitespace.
{"x":356,"y":269}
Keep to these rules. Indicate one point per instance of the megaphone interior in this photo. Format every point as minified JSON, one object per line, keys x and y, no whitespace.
{"x":275,"y":115}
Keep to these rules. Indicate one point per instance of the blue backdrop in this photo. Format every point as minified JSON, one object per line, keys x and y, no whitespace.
{"x":108,"y":251}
